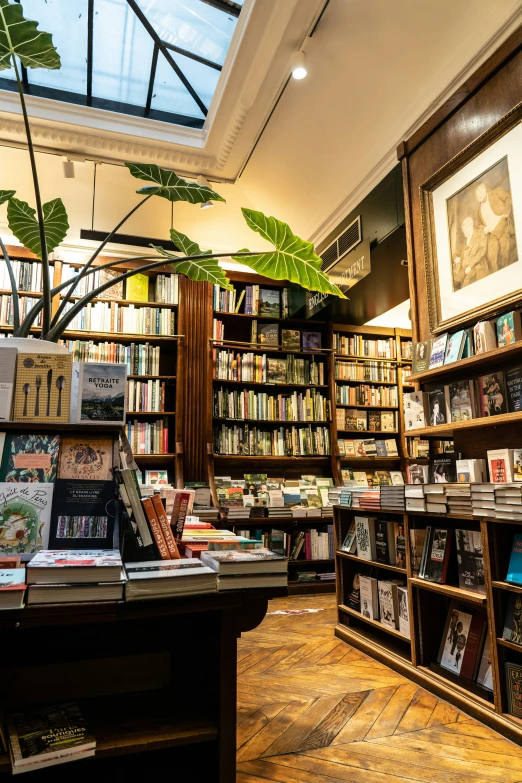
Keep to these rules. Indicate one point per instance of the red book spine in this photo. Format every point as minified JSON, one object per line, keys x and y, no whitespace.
{"x":165,"y":527}
{"x":155,"y":529}
{"x":472,"y":649}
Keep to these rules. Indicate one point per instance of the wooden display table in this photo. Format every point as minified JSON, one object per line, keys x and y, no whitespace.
{"x":153,"y":678}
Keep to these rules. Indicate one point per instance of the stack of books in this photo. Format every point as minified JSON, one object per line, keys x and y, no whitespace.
{"x":483,"y":500}
{"x":329,"y":576}
{"x":414,"y":496}
{"x":163,"y":579}
{"x":436,"y":501}
{"x":392,"y":498}
{"x":366,"y":497}
{"x":209,"y":514}
{"x":334,"y":494}
{"x":259,"y":512}
{"x":508,"y":501}
{"x":459,"y":499}
{"x":73,"y":576}
{"x":284,"y":512}
{"x":236,"y":513}
{"x":12,"y":582}
{"x":345,"y":496}
{"x":238,"y":570}
{"x":327,"y":512}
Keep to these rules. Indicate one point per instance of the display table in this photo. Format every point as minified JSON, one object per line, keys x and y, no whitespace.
{"x":153,"y":678}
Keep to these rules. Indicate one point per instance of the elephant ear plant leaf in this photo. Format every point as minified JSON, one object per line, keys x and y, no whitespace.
{"x":41,"y":230}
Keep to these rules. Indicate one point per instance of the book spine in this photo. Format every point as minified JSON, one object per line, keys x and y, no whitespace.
{"x":165,"y":527}
{"x":156,"y":529}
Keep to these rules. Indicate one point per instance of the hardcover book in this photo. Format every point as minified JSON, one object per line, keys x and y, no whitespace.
{"x":438,"y":351}
{"x":514,"y":573}
{"x":312,"y":340}
{"x":417,"y":537}
{"x":454,"y":347}
{"x":269,"y":303}
{"x":12,"y":589}
{"x":404,"y":611}
{"x":268,"y":334}
{"x":513,"y":622}
{"x":514,"y":388}
{"x":514,"y":688}
{"x":25,"y":515}
{"x":291,"y":338}
{"x":470,"y":560}
{"x":385,"y":542}
{"x":500,"y":465}
{"x":350,"y":541}
{"x":389,"y":603}
{"x":485,"y":672}
{"x":83,"y":515}
{"x":455,"y":637}
{"x":369,"y":597}
{"x":400,"y":544}
{"x":421,"y":356}
{"x":86,"y":458}
{"x":354,"y":596}
{"x":492,"y":395}
{"x":508,"y":328}
{"x":397,"y":479}
{"x":155,"y":477}
{"x":460,"y":400}
{"x":137,"y":288}
{"x":374,"y":421}
{"x":437,"y":404}
{"x":438,"y":555}
{"x":387,"y":421}
{"x":99,"y":393}
{"x":442,"y":469}
{"x":8,"y":358}
{"x":30,"y":458}
{"x":276,"y":370}
{"x":43,"y":387}
{"x":59,"y":566}
{"x":365,"y":533}
{"x":485,"y":337}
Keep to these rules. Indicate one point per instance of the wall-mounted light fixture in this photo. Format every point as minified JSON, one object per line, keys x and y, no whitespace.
{"x":298,"y":65}
{"x":204,"y":182}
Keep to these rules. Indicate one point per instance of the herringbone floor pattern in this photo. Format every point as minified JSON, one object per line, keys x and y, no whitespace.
{"x":312,"y":709}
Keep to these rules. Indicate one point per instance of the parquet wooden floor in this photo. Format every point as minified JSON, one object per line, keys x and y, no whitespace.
{"x":312,"y":709}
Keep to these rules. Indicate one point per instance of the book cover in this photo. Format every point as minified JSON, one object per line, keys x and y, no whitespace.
{"x":474,"y":644}
{"x":8,"y":359}
{"x":500,"y":465}
{"x":156,"y":477}
{"x":388,"y":603}
{"x":354,"y":596}
{"x":384,"y":542}
{"x":365,"y":533}
{"x":400,"y":544}
{"x":442,"y":469}
{"x":438,"y":556}
{"x":485,"y":337}
{"x":83,"y":514}
{"x":155,"y":529}
{"x":514,"y":688}
{"x":417,"y":538}
{"x":137,"y":288}
{"x":25,"y":515}
{"x":276,"y":370}
{"x":30,"y":458}
{"x":404,"y":611}
{"x":455,"y":639}
{"x":269,"y":303}
{"x":387,"y":421}
{"x":291,"y":338}
{"x":514,"y":573}
{"x":369,"y":595}
{"x":374,"y":421}
{"x":455,"y":347}
{"x":438,"y":351}
{"x":43,"y":387}
{"x":312,"y":340}
{"x":513,"y":622}
{"x":514,"y":388}
{"x":268,"y":334}
{"x":421,"y":356}
{"x":492,"y":394}
{"x":460,"y":400}
{"x":508,"y":328}
{"x":485,"y":671}
{"x":436,"y":404}
{"x":397,"y":479}
{"x":116,"y":290}
{"x":470,"y":560}
{"x":102,"y":393}
{"x":86,"y":458}
{"x":350,"y":541}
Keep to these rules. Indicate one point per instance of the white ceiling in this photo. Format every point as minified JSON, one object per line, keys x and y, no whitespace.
{"x":376,"y":70}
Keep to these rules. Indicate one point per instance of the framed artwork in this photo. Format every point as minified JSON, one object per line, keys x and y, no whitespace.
{"x":472,"y":222}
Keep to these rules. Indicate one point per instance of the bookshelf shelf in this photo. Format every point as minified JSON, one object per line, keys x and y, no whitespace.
{"x":369,"y":407}
{"x":144,"y":457}
{"x":151,"y":377}
{"x":370,"y":433}
{"x":125,"y":302}
{"x":261,"y":348}
{"x":287,"y":422}
{"x":364,"y":358}
{"x":374,"y":563}
{"x":371,"y":383}
{"x":271,"y":521}
{"x":449,"y":590}
{"x":269,"y":318}
{"x":302,"y":458}
{"x":374,"y":623}
{"x":472,"y":363}
{"x":447,"y":430}
{"x":324,"y":561}
{"x":510,"y":646}
{"x":130,"y":414}
{"x":274,"y":385}
{"x":369,"y":460}
{"x":509,"y":586}
{"x":107,"y":336}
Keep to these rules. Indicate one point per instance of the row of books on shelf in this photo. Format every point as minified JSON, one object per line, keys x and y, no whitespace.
{"x":371,"y":478}
{"x":363,"y":394}
{"x":368,"y":447}
{"x":281,"y":442}
{"x":357,"y":345}
{"x":377,"y":540}
{"x":259,"y":490}
{"x":138,"y":288}
{"x":309,"y":405}
{"x":307,"y":544}
{"x":140,"y":358}
{"x":418,"y":448}
{"x":25,"y":305}
{"x":148,"y":437}
{"x":483,"y":337}
{"x":381,"y":600}
{"x":357,"y":420}
{"x":366,"y":371}
{"x":502,"y":501}
{"x":27,"y":275}
{"x":503,"y":466}
{"x":230,"y":365}
{"x":128,"y":319}
{"x":268,"y":302}
{"x":271,"y":334}
{"x":146,"y":396}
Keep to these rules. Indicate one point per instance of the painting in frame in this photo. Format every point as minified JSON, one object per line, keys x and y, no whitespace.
{"x":472,"y":220}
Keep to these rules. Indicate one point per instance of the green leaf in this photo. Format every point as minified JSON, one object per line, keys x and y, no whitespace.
{"x":5,"y":195}
{"x":22,"y":222}
{"x":293,"y":259}
{"x":170,"y":186}
{"x":20,"y":37}
{"x":199,"y":269}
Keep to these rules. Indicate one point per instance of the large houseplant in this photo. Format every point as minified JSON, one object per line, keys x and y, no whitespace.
{"x":42,"y":230}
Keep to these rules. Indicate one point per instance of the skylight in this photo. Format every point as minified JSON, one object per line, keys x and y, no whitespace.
{"x":149,"y":58}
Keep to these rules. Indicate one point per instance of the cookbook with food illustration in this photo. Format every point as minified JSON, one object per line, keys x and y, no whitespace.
{"x":25,"y":515}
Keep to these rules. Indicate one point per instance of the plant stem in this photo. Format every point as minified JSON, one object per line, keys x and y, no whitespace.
{"x":14,"y":289}
{"x":96,"y":253}
{"x":39,"y":211}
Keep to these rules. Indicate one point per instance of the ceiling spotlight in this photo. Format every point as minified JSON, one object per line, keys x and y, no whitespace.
{"x":298,"y":65}
{"x":68,"y":168}
{"x":205,"y":183}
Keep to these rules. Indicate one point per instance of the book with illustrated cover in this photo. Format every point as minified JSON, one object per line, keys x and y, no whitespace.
{"x":438,"y":351}
{"x":514,"y":388}
{"x":492,"y":394}
{"x":86,"y":458}
{"x":83,"y":514}
{"x":404,"y":611}
{"x":354,"y":596}
{"x":25,"y":516}
{"x":485,"y":671}
{"x":43,"y":387}
{"x":470,"y":560}
{"x":442,"y":469}
{"x":268,"y":334}
{"x":269,"y":303}
{"x":460,"y":400}
{"x":153,"y":477}
{"x":485,"y":337}
{"x":257,"y":561}
{"x":437,"y":404}
{"x":397,"y":479}
{"x":400,"y":544}
{"x":43,"y":736}
{"x":350,"y":541}
{"x":380,"y":448}
{"x":500,"y":465}
{"x":64,"y":566}
{"x":365,"y":534}
{"x":12,"y":588}
{"x":462,"y":640}
{"x":116,"y":290}
{"x":421,"y":356}
{"x":385,"y":551}
{"x":437,"y":549}
{"x":387,"y":421}
{"x":514,"y":688}
{"x":276,"y":370}
{"x":389,"y":602}
{"x":513,"y":622}
{"x":454,"y":347}
{"x":369,"y":594}
{"x":374,"y":421}
{"x":137,"y":288}
{"x":291,"y":338}
{"x":508,"y":328}
{"x":312,"y":340}
{"x":30,"y":458}
{"x":514,"y":573}
{"x":99,"y":393}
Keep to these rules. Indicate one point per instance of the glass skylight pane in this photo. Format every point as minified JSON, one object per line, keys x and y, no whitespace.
{"x":170,"y":94}
{"x":67,"y":22}
{"x":192,"y":25}
{"x":202,"y":78}
{"x":122,"y":54}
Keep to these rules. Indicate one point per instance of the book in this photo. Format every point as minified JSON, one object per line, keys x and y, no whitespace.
{"x":513,"y":621}
{"x":442,"y":469}
{"x":369,"y":593}
{"x":454,"y":639}
{"x":404,"y":611}
{"x":514,"y":688}
{"x":155,"y":529}
{"x":397,"y":479}
{"x":438,"y":351}
{"x":86,"y":458}
{"x":508,"y":328}
{"x":485,"y":338}
{"x":485,"y":671}
{"x":385,"y":551}
{"x":291,"y":339}
{"x":140,"y":527}
{"x":150,"y":579}
{"x":454,"y":347}
{"x":268,"y":334}
{"x":276,"y":370}
{"x":439,"y":545}
{"x":460,"y":400}
{"x":83,"y":514}
{"x":400,"y":544}
{"x":514,"y":388}
{"x":354,"y":596}
{"x":311,"y":340}
{"x":156,"y":477}
{"x":8,"y":359}
{"x":492,"y":394}
{"x":82,"y":593}
{"x":470,"y":560}
{"x":46,"y":735}
{"x":43,"y":387}
{"x":365,"y":534}
{"x":470,"y":471}
{"x":421,"y":356}
{"x":416,"y":410}
{"x":514,"y":573}
{"x":350,"y":541}
{"x":500,"y":465}
{"x":389,"y":603}
{"x":137,"y":288}
{"x":12,"y":588}
{"x":374,"y":421}
{"x":161,"y":516}
{"x":436,"y":404}
{"x":99,"y":393}
{"x":425,"y":551}
{"x":269,"y":303}
{"x":30,"y":458}
{"x":25,"y":517}
{"x":58,"y":566}
{"x":256,"y":561}
{"x":182,"y":506}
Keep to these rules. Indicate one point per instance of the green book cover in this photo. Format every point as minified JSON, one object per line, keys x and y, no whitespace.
{"x":138,"y":288}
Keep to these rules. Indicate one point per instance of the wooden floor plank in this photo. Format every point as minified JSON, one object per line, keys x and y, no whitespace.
{"x":332,"y":724}
{"x":365,"y":716}
{"x":256,"y":721}
{"x":261,"y":740}
{"x":443,"y":713}
{"x":393,"y":712}
{"x":294,"y":737}
{"x":418,"y":713}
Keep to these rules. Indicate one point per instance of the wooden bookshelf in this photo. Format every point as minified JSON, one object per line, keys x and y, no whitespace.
{"x":472,"y":365}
